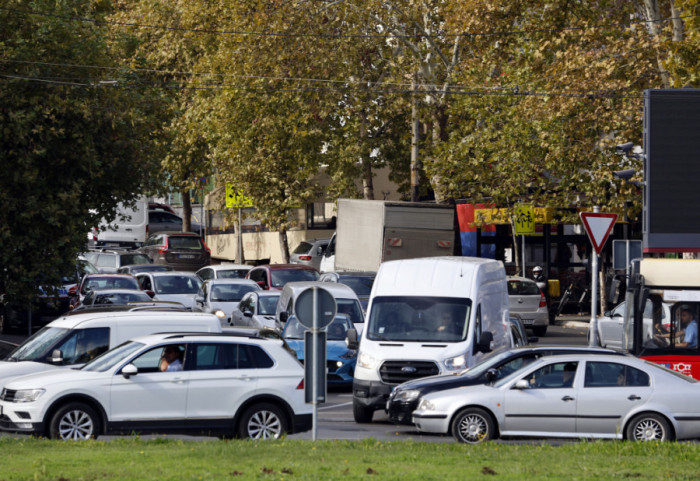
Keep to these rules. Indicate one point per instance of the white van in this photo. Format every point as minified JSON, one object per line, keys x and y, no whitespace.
{"x":74,"y":339}
{"x":427,"y":316}
{"x":328,"y":259}
{"x":128,"y":229}
{"x":347,"y":301}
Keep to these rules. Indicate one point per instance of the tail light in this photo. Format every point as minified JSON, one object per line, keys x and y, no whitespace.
{"x":543,"y":300}
{"x":165,"y":247}
{"x":301,"y":385}
{"x":205,"y":246}
{"x":304,"y":258}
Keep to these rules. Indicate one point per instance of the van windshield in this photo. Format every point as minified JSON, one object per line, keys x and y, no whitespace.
{"x":419,"y":319}
{"x":35,"y":348}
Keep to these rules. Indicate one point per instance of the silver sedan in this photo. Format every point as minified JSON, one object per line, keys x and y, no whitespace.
{"x":591,"y":396}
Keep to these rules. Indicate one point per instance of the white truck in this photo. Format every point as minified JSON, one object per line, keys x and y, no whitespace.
{"x":372,"y":231}
{"x":426,"y":317}
{"x":128,"y":229}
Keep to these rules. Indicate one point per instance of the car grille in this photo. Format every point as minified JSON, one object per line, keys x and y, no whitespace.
{"x":396,"y":372}
{"x":8,"y":395}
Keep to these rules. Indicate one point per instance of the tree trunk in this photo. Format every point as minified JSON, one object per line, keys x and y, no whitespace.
{"x":415,"y":154}
{"x":284,"y":246}
{"x":367,"y":182}
{"x":651,"y":12}
{"x":439,"y":135}
{"x":186,"y":211}
{"x":678,"y":33}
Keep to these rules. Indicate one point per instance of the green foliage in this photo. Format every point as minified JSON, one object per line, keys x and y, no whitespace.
{"x":72,"y":147}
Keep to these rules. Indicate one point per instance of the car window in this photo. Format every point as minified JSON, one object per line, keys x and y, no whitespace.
{"x":281,"y":277}
{"x":83,"y":345}
{"x":214,"y":356}
{"x":267,"y":305}
{"x":106,"y":260}
{"x":302,"y":248}
{"x":608,"y":374}
{"x":186,"y":243}
{"x":554,"y":376}
{"x":145,"y":283}
{"x":233,"y":273}
{"x":176,"y":284}
{"x":129,"y":259}
{"x":205,"y":274}
{"x":522,"y":288}
{"x":150,"y":360}
{"x":361,"y":285}
{"x":257,"y":275}
{"x":230,"y":293}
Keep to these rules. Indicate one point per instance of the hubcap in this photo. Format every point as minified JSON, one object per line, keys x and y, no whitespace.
{"x":648,"y":430}
{"x":264,"y":425}
{"x":75,"y":425}
{"x":473,"y":429}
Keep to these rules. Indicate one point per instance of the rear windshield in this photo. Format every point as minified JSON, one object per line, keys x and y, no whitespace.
{"x":281,"y":277}
{"x":303,"y":248}
{"x":129,"y":259}
{"x":522,"y":288}
{"x":187,"y":243}
{"x":361,"y":285}
{"x":232,"y":274}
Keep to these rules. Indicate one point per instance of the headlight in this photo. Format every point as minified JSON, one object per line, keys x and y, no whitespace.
{"x":407,"y":395}
{"x":426,"y":405}
{"x":28,"y":395}
{"x":366,"y":361}
{"x":456,"y":363}
{"x":220,"y":314}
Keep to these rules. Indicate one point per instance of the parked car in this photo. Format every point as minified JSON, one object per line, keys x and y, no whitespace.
{"x":611,"y":329}
{"x":221,"y":296}
{"x":164,"y":221}
{"x":616,"y":397}
{"x":528,"y":302}
{"x":309,"y":252}
{"x":519,"y":334}
{"x":112,"y":297}
{"x":275,"y":276}
{"x":48,"y":304}
{"x":257,"y":309}
{"x":98,"y":282}
{"x":174,"y":286}
{"x":180,"y":250}
{"x":112,"y":260}
{"x":340,"y":360}
{"x":137,"y":268}
{"x":126,"y":391}
{"x":360,"y":282}
{"x":224,"y":271}
{"x":403,"y":400}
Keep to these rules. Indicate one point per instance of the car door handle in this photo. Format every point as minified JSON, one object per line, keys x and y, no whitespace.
{"x":567,"y":398}
{"x":245,"y":378}
{"x":178,"y":380}
{"x":634,"y":397}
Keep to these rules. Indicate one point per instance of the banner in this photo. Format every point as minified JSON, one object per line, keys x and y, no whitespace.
{"x":468,"y":231}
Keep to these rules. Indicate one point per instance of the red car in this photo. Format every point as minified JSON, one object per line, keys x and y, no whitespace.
{"x":275,"y":276}
{"x":97,"y":282}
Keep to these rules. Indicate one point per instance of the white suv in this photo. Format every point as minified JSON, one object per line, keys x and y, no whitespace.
{"x":244,"y":386}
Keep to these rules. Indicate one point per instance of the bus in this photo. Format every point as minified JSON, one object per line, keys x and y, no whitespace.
{"x":670,"y":285}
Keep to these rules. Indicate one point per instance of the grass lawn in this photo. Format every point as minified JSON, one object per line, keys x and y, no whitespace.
{"x":168,"y":459}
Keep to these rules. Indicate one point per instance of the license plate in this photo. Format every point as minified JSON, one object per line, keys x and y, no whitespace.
{"x":186,"y":256}
{"x":528,"y":322}
{"x":111,"y":244}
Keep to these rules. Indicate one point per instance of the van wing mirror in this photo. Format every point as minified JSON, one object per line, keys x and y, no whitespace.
{"x":283,"y":317}
{"x":351,"y":339}
{"x":56,"y":356}
{"x":484,"y":344}
{"x":129,"y":370}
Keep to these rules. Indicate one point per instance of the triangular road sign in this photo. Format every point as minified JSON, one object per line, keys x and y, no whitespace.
{"x":598,"y":227}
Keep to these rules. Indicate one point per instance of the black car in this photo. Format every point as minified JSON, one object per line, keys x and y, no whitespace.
{"x":405,"y":397}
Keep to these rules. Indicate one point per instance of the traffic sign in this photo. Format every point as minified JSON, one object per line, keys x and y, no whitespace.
{"x":234,"y":198}
{"x":598,"y":226}
{"x":315,"y":308}
{"x":524,"y":219}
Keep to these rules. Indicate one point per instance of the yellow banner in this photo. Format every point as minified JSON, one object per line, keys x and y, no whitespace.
{"x":541,"y":215}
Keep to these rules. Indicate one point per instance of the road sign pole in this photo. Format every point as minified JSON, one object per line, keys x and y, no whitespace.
{"x":523,"y":259}
{"x":314,"y":366}
{"x":594,"y":341}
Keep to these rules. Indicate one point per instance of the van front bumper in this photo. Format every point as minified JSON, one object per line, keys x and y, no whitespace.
{"x":371,"y":394}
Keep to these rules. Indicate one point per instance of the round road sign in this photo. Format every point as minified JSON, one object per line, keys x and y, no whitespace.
{"x":324,"y":304}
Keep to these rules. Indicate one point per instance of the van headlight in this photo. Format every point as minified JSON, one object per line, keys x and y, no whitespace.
{"x":456,"y":363}
{"x":28,"y":395}
{"x":366,"y":361}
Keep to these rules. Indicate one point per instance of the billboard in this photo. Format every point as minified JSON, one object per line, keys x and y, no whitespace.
{"x":671,"y":217}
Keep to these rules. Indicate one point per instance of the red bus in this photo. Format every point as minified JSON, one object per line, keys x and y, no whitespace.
{"x":668,"y":340}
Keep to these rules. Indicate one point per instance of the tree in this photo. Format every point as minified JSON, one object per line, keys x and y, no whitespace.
{"x":76,"y":138}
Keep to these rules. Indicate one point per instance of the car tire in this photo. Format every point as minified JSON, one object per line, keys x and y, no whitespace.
{"x":263,"y":421}
{"x":74,"y":422}
{"x":539,"y":331}
{"x":362,"y":414}
{"x":473,"y":426}
{"x":649,"y":427}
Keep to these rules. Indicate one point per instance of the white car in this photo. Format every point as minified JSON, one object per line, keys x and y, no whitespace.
{"x":221,"y":296}
{"x":610,"y":325}
{"x":250,"y":387}
{"x":572,"y":396}
{"x":224,"y":271}
{"x":176,"y":286}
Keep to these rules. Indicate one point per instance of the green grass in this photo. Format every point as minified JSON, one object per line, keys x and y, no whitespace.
{"x":168,"y":459}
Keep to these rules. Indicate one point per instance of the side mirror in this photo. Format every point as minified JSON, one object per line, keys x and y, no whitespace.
{"x":319,"y":251}
{"x":199,"y":300}
{"x":262,"y":284}
{"x":522,"y":384}
{"x":283,"y":317}
{"x":56,"y":356}
{"x":491,"y":375}
{"x":151,"y":294}
{"x":248,"y":313}
{"x":485,"y":341}
{"x":351,"y":339}
{"x":129,"y":370}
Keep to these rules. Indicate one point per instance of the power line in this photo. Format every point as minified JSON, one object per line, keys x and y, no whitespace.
{"x":321,"y":35}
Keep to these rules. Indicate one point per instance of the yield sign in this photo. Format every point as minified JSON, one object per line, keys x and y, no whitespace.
{"x":598,"y":227}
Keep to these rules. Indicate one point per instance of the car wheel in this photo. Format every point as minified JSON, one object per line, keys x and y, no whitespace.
{"x":262,"y":421}
{"x":362,"y":414}
{"x":473,"y":426}
{"x":74,"y":421}
{"x":649,"y":427}
{"x":539,"y":331}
